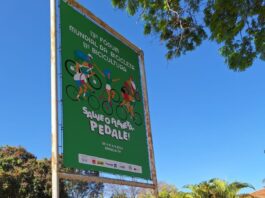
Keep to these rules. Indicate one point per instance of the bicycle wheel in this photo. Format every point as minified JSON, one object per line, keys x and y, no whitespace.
{"x":121,"y":112}
{"x":70,"y":67}
{"x":137,"y":96}
{"x":95,"y":81}
{"x":71,"y":92}
{"x":116,"y":95}
{"x":93,"y":102}
{"x":107,"y":108}
{"x":137,"y":118}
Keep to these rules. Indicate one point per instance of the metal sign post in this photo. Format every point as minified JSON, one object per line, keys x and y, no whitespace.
{"x":54,"y":107}
{"x":148,"y":126}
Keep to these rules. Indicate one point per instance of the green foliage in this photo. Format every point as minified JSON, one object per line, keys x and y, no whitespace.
{"x":216,"y":188}
{"x":23,"y":176}
{"x":165,"y":191}
{"x":168,"y":191}
{"x":83,"y":189}
{"x":238,"y":26}
{"x":119,"y":195}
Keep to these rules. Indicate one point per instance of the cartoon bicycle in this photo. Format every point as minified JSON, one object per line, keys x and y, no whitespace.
{"x":109,"y":93}
{"x":127,"y":107}
{"x":130,"y":88}
{"x":84,"y":62}
{"x":122,"y":113}
{"x":94,"y":81}
{"x":81,"y":69}
{"x":72,"y":91}
{"x":84,"y":77}
{"x":107,"y":106}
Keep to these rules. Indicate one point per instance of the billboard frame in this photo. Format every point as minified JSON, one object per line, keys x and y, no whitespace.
{"x":56,"y":174}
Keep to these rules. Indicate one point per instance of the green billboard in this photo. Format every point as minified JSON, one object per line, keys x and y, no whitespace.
{"x":104,"y":125}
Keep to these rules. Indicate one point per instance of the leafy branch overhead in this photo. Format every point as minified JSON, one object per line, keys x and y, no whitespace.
{"x":238,"y":26}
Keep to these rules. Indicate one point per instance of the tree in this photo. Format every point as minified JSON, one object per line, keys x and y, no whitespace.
{"x":165,"y":191}
{"x":119,"y":195}
{"x":216,"y":188}
{"x":118,"y":191}
{"x":23,"y":176}
{"x":170,"y":191}
{"x":83,"y":189}
{"x":238,"y":26}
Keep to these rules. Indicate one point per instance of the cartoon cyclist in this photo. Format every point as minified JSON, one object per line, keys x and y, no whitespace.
{"x":106,"y":74}
{"x":81,"y":79}
{"x":82,"y":73}
{"x":128,"y":101}
{"x":129,"y":94}
{"x":81,"y":56}
{"x":130,"y":86}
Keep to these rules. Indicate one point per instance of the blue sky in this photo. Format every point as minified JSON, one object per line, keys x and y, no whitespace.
{"x":207,"y":120}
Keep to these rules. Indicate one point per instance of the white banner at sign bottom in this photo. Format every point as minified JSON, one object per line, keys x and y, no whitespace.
{"x":96,"y":161}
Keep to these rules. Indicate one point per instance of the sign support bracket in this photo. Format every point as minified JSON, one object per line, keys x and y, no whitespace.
{"x":87,"y":178}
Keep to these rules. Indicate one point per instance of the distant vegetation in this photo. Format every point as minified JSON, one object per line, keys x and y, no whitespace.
{"x":22,"y":175}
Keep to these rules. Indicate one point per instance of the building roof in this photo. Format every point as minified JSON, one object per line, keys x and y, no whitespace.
{"x":259,"y":193}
